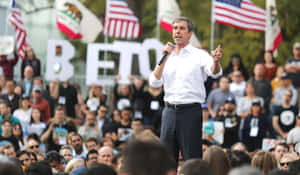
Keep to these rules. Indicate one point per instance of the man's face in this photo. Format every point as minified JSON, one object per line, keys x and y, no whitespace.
{"x":259,"y":70}
{"x":76,"y":143}
{"x":102,"y":111}
{"x":224,"y":84}
{"x":36,"y":94}
{"x":6,"y":127}
{"x":10,"y":87}
{"x":90,"y":118}
{"x":237,"y":76}
{"x":105,"y":156}
{"x":125,"y":114}
{"x":280,"y":151}
{"x":3,"y":109}
{"x":29,"y":52}
{"x":25,"y":160}
{"x":10,"y":152}
{"x":137,"y":126}
{"x":180,"y":33}
{"x":296,"y":52}
{"x":92,"y":159}
{"x":60,"y":115}
{"x":67,"y":154}
{"x":92,"y":145}
{"x":287,"y":96}
{"x":28,"y":72}
{"x":229,"y":107}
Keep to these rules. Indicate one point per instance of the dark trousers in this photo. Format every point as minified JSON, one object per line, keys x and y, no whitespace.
{"x":182,"y":130}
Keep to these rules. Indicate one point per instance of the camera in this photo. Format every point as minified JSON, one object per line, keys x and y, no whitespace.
{"x":55,"y":125}
{"x":91,"y":124}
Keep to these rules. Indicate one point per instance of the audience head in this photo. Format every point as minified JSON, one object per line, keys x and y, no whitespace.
{"x":296,"y":50}
{"x":73,"y":164}
{"x":91,"y":157}
{"x":92,"y":143}
{"x":224,"y":83}
{"x":39,"y":168}
{"x":280,"y":150}
{"x":148,"y":158}
{"x":285,"y":160}
{"x":66,"y":152}
{"x":33,"y":146}
{"x":264,"y":161}
{"x":245,"y":170}
{"x":24,"y":158}
{"x":105,"y":155}
{"x":9,"y":151}
{"x":196,"y":167}
{"x":97,"y":169}
{"x":294,"y":167}
{"x":77,"y":143}
{"x":55,"y":161}
{"x":239,"y":158}
{"x":218,"y":159}
{"x":9,"y":167}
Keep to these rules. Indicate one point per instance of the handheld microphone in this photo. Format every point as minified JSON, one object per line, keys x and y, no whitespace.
{"x":164,"y":56}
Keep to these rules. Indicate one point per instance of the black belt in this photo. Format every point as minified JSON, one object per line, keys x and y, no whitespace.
{"x":181,"y":106}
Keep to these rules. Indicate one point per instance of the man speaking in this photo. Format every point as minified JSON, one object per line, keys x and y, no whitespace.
{"x":182,"y":72}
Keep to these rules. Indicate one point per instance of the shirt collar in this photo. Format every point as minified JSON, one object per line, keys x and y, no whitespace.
{"x":187,"y":49}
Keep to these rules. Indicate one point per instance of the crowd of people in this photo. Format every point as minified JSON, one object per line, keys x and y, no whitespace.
{"x":50,"y":128}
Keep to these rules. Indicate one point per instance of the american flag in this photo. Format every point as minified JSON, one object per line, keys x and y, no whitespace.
{"x":21,"y":36}
{"x":239,"y":13}
{"x":120,"y":21}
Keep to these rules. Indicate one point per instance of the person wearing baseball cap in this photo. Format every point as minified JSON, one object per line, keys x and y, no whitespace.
{"x":231,"y":123}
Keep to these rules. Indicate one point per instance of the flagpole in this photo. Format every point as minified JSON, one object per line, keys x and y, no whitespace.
{"x":105,"y":35}
{"x":212,"y":27}
{"x":158,"y":22}
{"x":6,"y":21}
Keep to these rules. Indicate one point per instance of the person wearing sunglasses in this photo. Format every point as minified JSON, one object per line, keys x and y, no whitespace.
{"x":286,"y":160}
{"x":33,"y":146}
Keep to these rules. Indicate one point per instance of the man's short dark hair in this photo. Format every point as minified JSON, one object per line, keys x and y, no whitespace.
{"x":147,"y":158}
{"x":20,"y":153}
{"x":93,"y":151}
{"x":92,"y":139}
{"x":196,"y":167}
{"x":137,"y":120}
{"x":238,"y":158}
{"x":280,"y":172}
{"x":283,"y":144}
{"x":53,"y":156}
{"x":97,"y":169}
{"x":189,"y":22}
{"x":39,"y":168}
{"x":294,"y":167}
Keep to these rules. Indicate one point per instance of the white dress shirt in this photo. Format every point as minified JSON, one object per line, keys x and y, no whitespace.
{"x":184,"y":75}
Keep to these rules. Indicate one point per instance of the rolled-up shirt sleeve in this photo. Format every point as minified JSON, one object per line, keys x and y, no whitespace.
{"x":154,"y":82}
{"x":208,"y":66}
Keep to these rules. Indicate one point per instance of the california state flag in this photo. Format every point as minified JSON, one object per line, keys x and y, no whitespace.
{"x":168,"y":11}
{"x":76,"y":21}
{"x":273,"y":33}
